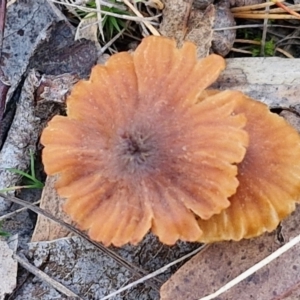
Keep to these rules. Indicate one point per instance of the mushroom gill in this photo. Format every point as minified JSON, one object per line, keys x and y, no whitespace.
{"x":269,"y":176}
{"x":136,"y":153}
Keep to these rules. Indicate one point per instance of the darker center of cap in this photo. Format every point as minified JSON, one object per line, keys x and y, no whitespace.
{"x":137,"y":147}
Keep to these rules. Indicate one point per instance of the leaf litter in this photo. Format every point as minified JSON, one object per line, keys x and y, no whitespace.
{"x":269,"y":244}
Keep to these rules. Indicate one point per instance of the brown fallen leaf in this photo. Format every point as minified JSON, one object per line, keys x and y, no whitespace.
{"x":45,"y":229}
{"x":222,"y":262}
{"x":183,"y":23}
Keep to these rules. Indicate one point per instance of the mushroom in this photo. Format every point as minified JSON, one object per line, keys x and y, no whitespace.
{"x":269,"y":176}
{"x":136,"y":153}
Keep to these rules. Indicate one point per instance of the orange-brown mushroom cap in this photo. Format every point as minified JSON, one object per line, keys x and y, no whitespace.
{"x":269,"y":177}
{"x":135,"y":152}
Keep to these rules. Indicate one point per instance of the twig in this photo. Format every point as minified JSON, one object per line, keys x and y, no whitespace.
{"x":264,"y":33}
{"x":250,"y":15}
{"x":286,"y":8}
{"x":254,"y":268}
{"x":254,"y":26}
{"x":99,"y":17}
{"x":43,"y":276}
{"x":284,"y":52}
{"x":247,"y":41}
{"x":155,"y":273}
{"x":295,"y":7}
{"x":16,"y":211}
{"x":108,"y":44}
{"x":253,"y":7}
{"x":257,"y":43}
{"x":240,"y":51}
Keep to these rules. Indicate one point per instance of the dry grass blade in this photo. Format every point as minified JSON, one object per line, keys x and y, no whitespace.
{"x":135,"y":270}
{"x":241,"y":51}
{"x":125,"y":17}
{"x":250,"y":15}
{"x":147,"y":24}
{"x":244,"y":41}
{"x":284,"y":52}
{"x":254,"y":268}
{"x":264,"y":33}
{"x":99,"y":17}
{"x":295,"y":7}
{"x":253,"y":7}
{"x":253,"y":12}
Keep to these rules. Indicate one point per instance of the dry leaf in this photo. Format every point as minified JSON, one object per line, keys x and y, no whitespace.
{"x":185,"y":24}
{"x":221,"y":262}
{"x":45,"y":229}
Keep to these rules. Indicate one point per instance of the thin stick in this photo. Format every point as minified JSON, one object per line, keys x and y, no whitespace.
{"x":44,"y":277}
{"x":99,"y":18}
{"x":287,"y":54}
{"x":254,"y":26}
{"x":247,"y":41}
{"x":240,"y":51}
{"x":263,"y":16}
{"x":254,"y":268}
{"x":155,"y":273}
{"x":295,"y":7}
{"x":253,"y":7}
{"x":275,"y":10}
{"x":287,"y":9}
{"x":108,"y":44}
{"x":16,"y":211}
{"x":147,"y":24}
{"x":264,"y":33}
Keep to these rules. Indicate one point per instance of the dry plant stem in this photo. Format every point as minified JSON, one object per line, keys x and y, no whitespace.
{"x":147,"y":24}
{"x":264,"y":33}
{"x":21,"y":259}
{"x":108,"y":44}
{"x":288,"y":55}
{"x":254,"y":268}
{"x":125,"y":17}
{"x":247,"y":41}
{"x":16,"y":212}
{"x":157,"y":272}
{"x":287,"y":9}
{"x":253,"y":7}
{"x":99,"y":17}
{"x":250,"y":15}
{"x":257,"y":43}
{"x":135,"y":270}
{"x":240,"y":50}
{"x":254,"y":26}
